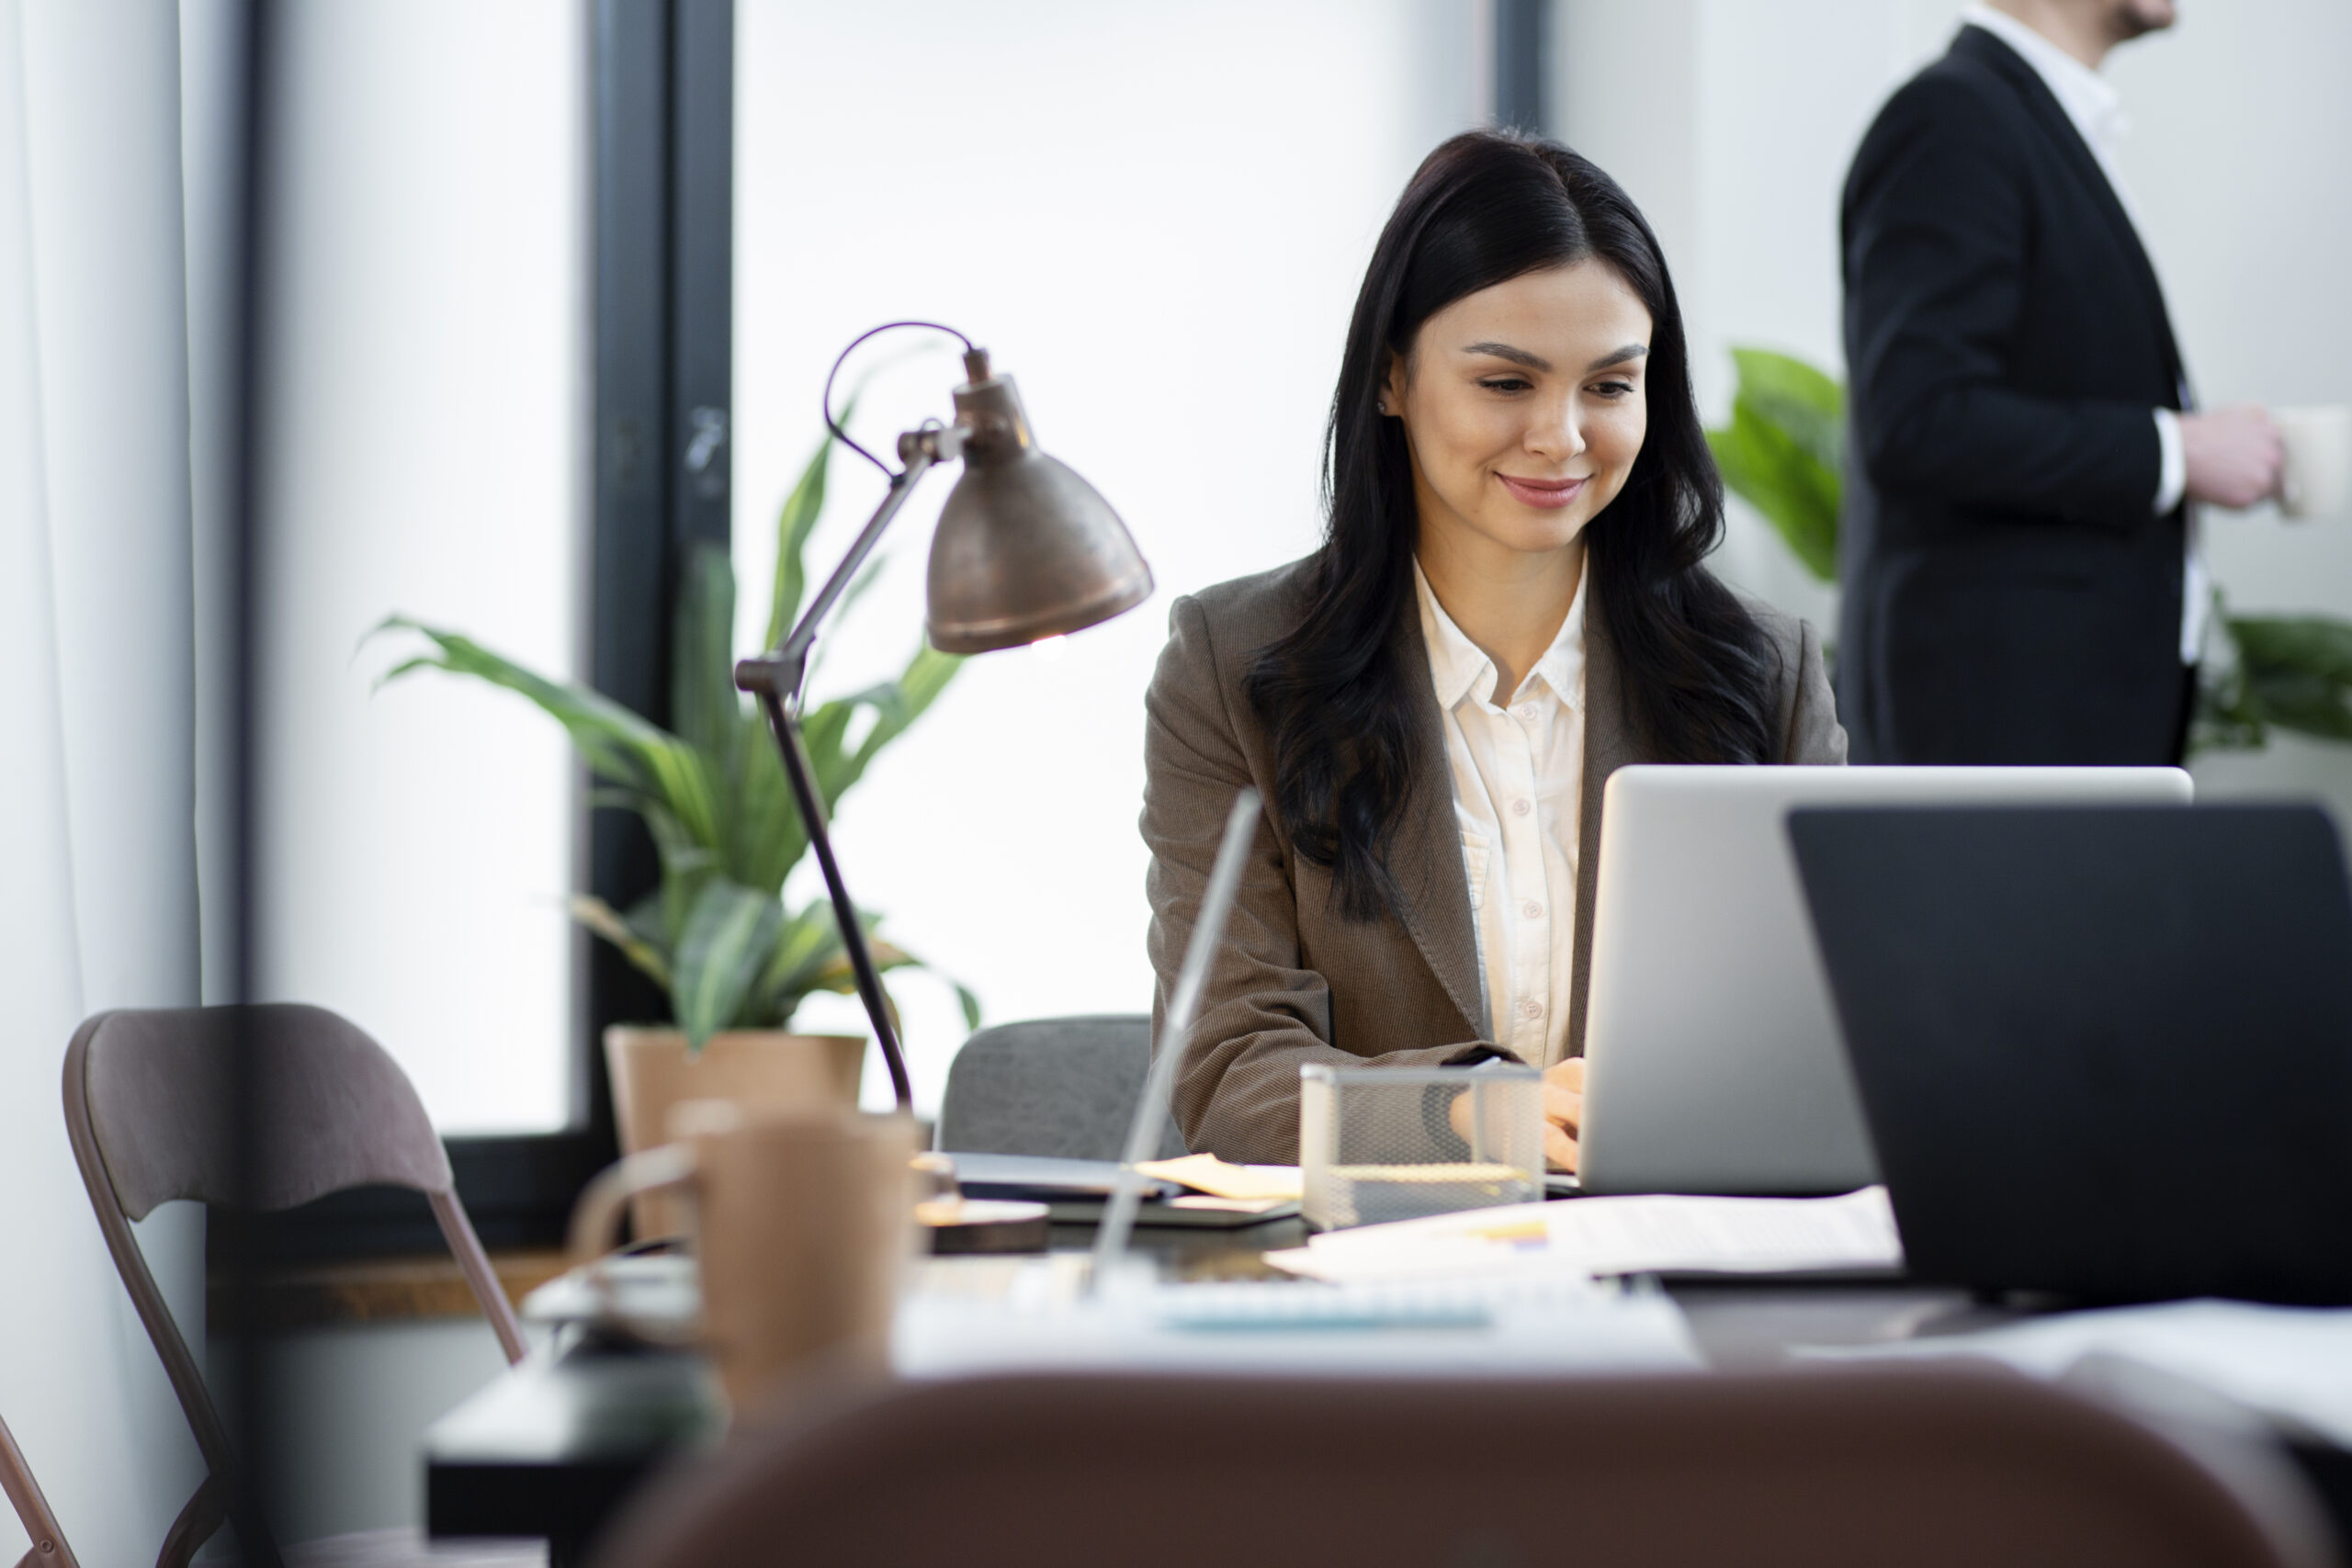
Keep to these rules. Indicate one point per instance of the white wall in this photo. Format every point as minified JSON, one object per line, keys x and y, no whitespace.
{"x":1734,"y":135}
{"x":425,"y":441}
{"x":2238,"y":158}
{"x":1157,"y":217}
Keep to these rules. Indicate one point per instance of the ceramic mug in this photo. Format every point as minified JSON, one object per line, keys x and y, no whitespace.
{"x":802,"y":1225}
{"x":2315,"y":480}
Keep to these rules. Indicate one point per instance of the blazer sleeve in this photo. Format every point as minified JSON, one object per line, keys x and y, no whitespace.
{"x":1810,"y":732}
{"x":1936,"y":235}
{"x":1263,"y":1012}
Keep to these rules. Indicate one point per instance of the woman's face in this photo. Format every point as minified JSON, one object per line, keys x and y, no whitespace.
{"x":1523,"y":407}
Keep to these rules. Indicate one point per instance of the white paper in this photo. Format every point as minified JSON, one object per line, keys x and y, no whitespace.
{"x":1616,"y":1235}
{"x":1206,"y":1173}
{"x":2293,"y":1363}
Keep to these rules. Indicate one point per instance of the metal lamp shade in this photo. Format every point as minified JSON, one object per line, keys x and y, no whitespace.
{"x":1025,"y":548}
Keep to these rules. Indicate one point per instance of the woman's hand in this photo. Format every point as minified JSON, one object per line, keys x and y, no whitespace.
{"x":1562,"y":1111}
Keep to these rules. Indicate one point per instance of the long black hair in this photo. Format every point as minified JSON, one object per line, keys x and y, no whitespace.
{"x":1485,"y":208}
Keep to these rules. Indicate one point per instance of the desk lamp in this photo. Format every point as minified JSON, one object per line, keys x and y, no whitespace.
{"x":1024,"y":550}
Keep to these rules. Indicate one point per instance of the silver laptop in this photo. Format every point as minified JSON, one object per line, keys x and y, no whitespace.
{"x":1712,"y":1057}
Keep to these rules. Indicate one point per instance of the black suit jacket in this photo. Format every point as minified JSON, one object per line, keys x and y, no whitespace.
{"x":2010,"y":595}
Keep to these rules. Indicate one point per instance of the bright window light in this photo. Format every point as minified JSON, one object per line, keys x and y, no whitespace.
{"x":1156,"y":217}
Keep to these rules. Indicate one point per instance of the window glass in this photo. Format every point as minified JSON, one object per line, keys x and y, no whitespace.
{"x":425,"y":312}
{"x":1156,"y":217}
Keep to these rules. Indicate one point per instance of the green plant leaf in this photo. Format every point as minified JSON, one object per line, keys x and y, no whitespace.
{"x":705,"y":706}
{"x":810,"y":956}
{"x":2294,"y":672}
{"x":1804,"y":401}
{"x":730,"y":932}
{"x":2317,"y":644}
{"x":896,"y":705}
{"x":622,"y":747}
{"x":600,"y":917}
{"x":806,"y":941}
{"x":770,"y":838}
{"x":793,"y":524}
{"x":1765,"y":466}
{"x":649,"y":923}
{"x":1784,"y":451}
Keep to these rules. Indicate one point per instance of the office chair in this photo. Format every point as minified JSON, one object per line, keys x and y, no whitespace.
{"x":150,"y":1107}
{"x":1842,"y":1469}
{"x":1064,"y":1087}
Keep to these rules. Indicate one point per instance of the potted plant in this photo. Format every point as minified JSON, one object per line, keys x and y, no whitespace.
{"x":716,"y":935}
{"x":1785,"y":454}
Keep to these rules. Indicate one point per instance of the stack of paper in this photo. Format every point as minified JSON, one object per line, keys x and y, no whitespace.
{"x":2290,"y":1364}
{"x":1238,"y":1188}
{"x":1616,"y":1235}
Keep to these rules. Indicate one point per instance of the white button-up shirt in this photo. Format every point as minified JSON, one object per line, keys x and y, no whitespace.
{"x":2096,"y":111}
{"x":1517,"y":773}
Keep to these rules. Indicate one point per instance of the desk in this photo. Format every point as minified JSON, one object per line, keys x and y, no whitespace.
{"x":552,"y":1448}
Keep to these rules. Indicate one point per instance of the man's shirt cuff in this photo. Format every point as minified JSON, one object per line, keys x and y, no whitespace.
{"x":2172,"y":470}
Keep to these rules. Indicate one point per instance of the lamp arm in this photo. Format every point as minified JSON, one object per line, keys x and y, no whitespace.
{"x":774,"y":677}
{"x":780,"y":671}
{"x":861,"y":957}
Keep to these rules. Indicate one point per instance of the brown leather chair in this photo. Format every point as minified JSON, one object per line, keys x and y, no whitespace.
{"x":48,"y":1549}
{"x":151,"y":1108}
{"x":1830,"y":1470}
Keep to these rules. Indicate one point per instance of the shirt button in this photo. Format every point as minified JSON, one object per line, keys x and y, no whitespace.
{"x":1531,"y":1008}
{"x":1527,"y":710}
{"x":1522,"y":808}
{"x":1532,"y":910}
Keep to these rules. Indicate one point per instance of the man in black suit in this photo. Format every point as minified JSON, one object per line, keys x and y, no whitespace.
{"x":2020,"y":568}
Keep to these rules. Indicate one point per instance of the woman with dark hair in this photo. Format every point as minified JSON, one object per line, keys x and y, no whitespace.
{"x":1510,"y":604}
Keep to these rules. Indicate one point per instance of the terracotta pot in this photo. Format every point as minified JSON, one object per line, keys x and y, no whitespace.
{"x":760,"y":1069}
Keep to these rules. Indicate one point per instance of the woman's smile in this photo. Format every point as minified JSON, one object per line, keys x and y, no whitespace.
{"x":1549,"y":494}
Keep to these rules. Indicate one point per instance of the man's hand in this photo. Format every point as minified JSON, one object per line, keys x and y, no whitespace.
{"x":2233,"y":455}
{"x":1562,"y":1111}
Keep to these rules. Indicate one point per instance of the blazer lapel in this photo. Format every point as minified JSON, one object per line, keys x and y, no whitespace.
{"x":2052,"y":117}
{"x":1609,"y":744}
{"x":1425,"y":850}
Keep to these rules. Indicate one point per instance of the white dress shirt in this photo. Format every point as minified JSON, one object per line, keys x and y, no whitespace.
{"x":2097,"y":111}
{"x":1518,"y":798}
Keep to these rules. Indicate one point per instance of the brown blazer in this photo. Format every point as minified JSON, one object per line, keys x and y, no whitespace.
{"x":1296,"y":983}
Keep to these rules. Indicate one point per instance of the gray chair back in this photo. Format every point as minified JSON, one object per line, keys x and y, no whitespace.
{"x":1065,"y":1087}
{"x":151,"y":1111}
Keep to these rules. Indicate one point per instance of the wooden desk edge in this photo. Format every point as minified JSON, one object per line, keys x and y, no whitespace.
{"x":376,"y":1290}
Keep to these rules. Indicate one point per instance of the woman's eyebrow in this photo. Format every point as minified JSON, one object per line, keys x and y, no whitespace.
{"x":1631,"y":351}
{"x":1516,"y":355}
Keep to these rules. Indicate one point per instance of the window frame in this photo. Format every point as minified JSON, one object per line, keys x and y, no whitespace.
{"x":662,"y":123}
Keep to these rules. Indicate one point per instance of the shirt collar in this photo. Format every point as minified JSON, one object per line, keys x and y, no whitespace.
{"x":1459,"y":667}
{"x":2090,"y":101}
